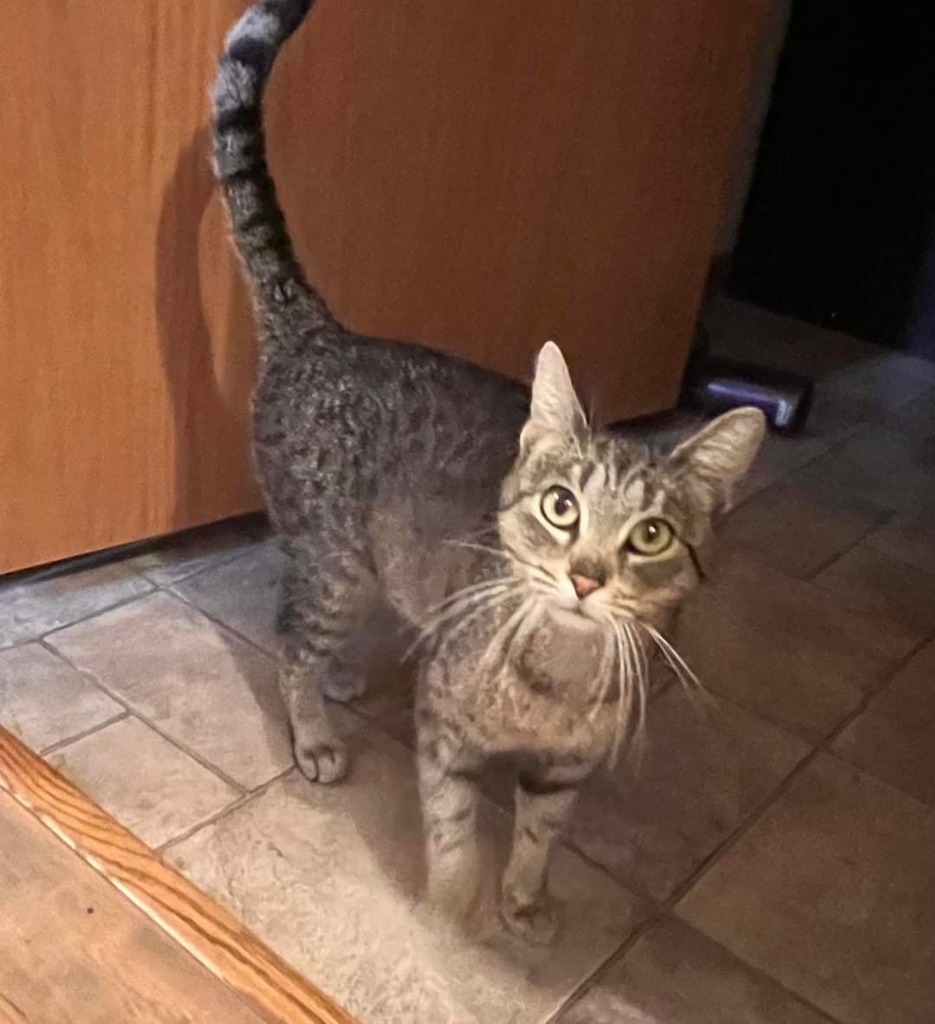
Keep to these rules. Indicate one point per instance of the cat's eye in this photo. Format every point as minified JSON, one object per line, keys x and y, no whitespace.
{"x":560,"y":508}
{"x":650,"y":537}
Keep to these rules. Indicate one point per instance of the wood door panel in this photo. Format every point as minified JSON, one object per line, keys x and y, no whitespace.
{"x":477,"y":176}
{"x":482,"y":177}
{"x":128,"y":337}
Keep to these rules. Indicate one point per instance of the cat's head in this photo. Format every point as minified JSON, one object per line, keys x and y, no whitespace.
{"x":597,"y":525}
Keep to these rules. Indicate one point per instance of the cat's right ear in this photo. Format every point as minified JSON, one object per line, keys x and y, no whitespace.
{"x":555,"y":414}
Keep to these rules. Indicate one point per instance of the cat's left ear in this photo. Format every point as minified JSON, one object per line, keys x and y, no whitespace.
{"x":554,"y":412}
{"x":719,"y":455}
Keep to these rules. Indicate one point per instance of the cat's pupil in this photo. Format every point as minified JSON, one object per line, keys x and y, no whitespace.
{"x":563,"y":504}
{"x":652,"y":531}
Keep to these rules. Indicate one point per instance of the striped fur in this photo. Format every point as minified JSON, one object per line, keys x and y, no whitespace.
{"x":400,"y":475}
{"x":257,"y":220}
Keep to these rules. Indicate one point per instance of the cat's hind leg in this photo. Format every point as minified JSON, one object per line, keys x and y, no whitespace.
{"x":326,"y":597}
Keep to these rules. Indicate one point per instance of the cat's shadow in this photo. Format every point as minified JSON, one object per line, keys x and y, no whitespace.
{"x":203,"y":421}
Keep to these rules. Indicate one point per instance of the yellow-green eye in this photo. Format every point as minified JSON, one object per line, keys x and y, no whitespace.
{"x":650,"y":537}
{"x":560,"y":508}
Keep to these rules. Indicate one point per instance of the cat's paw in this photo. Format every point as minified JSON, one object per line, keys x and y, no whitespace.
{"x":323,"y":762}
{"x":535,"y":921}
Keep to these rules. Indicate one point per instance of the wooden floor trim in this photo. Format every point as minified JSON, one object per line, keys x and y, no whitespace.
{"x":200,"y":925}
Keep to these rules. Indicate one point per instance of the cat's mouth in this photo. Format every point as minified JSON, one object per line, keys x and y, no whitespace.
{"x":578,"y":612}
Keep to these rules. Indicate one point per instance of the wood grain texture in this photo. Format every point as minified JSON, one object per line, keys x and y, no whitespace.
{"x":126,"y":337}
{"x":484,"y":176}
{"x":476,"y":176}
{"x":74,"y":951}
{"x":208,"y":932}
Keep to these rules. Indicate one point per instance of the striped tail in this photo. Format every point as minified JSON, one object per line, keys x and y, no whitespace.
{"x":256,"y":218}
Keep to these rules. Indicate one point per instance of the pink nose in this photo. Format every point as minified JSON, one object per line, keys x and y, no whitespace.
{"x":584,"y":585}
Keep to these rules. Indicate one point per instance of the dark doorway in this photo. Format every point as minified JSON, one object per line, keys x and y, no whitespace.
{"x":839,"y":226}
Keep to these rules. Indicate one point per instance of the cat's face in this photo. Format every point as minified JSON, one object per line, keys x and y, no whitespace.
{"x":598,"y":528}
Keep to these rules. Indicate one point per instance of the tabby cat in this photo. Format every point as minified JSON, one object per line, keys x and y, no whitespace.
{"x":539,"y":559}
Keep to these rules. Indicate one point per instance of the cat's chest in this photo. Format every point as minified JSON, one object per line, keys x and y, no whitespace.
{"x":565,"y":659}
{"x":549,"y":697}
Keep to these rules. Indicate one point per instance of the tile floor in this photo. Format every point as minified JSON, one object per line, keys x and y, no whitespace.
{"x":769,"y":858}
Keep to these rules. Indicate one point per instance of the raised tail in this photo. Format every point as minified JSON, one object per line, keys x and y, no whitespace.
{"x":256,"y":217}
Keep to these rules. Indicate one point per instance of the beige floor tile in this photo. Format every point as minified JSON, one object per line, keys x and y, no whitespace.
{"x":916,"y":418}
{"x":832,"y":893}
{"x":886,"y":590}
{"x":33,"y":607}
{"x":776,"y":460}
{"x":44,"y":701}
{"x":786,"y":648}
{"x":877,"y":464}
{"x":894,"y":738}
{"x":908,"y":537}
{"x":704,"y":766}
{"x":832,"y":420}
{"x":208,"y":689}
{"x":674,"y":975}
{"x":790,"y":528}
{"x":243,"y":594}
{"x":884,"y":382}
{"x":144,"y":781}
{"x":175,"y":558}
{"x":331,"y":876}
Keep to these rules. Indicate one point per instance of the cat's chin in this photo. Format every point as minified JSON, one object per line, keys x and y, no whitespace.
{"x":575,"y":618}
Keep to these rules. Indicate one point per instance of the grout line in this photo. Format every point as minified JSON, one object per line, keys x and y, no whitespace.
{"x":24,"y":642}
{"x":579,"y":994}
{"x":136,"y":713}
{"x":882,"y":520}
{"x":215,"y":620}
{"x":743,"y":827}
{"x":787,"y":474}
{"x":794,"y":996}
{"x":235,"y":805}
{"x":53,"y":748}
{"x":117,"y":556}
{"x":822,"y":747}
{"x":150,"y":591}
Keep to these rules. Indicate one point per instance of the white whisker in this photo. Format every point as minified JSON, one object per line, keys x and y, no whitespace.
{"x":642,"y":690}
{"x":484,"y":607}
{"x":471,"y":598}
{"x":605,"y":674}
{"x":472,"y":588}
{"x":690,"y":682}
{"x":498,"y":640}
{"x":471,"y":546}
{"x":623,"y":660}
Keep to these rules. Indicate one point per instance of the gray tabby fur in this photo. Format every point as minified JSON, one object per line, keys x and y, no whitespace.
{"x":397,"y":474}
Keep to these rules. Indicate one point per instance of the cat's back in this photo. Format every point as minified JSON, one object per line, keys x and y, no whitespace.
{"x":349,"y":411}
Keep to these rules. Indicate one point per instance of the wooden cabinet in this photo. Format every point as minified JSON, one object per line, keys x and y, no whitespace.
{"x":478,"y":176}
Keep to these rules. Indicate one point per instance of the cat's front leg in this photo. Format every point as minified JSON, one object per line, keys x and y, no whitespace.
{"x":545,"y":797}
{"x":447,"y":769}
